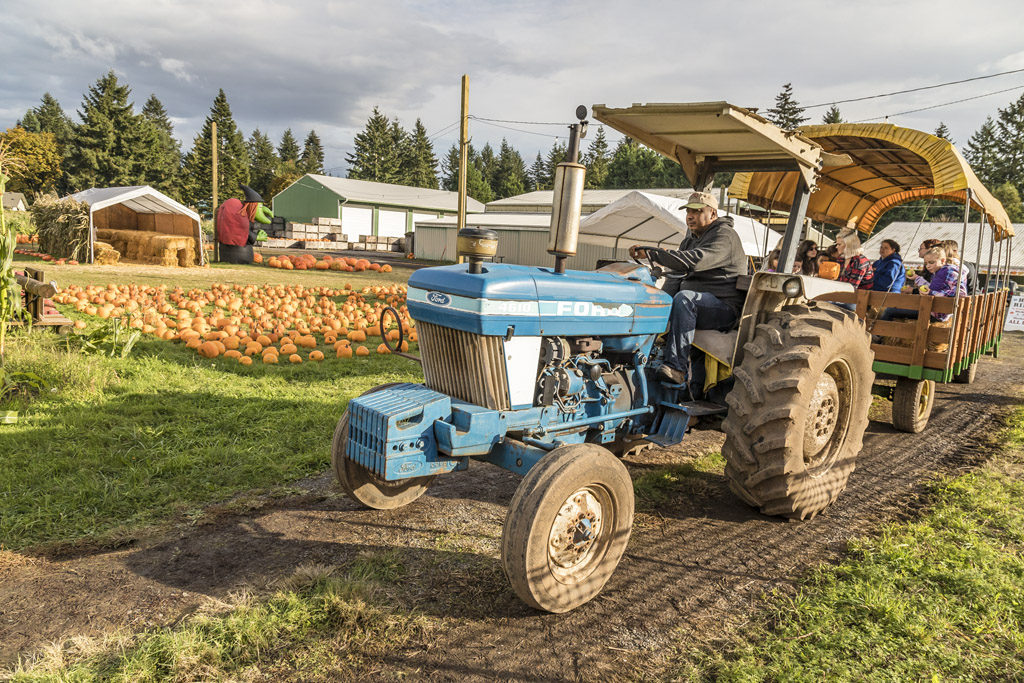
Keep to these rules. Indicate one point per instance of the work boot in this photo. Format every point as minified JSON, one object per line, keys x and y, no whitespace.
{"x":672,"y":374}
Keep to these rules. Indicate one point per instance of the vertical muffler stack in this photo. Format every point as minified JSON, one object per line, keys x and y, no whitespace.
{"x":567,"y":204}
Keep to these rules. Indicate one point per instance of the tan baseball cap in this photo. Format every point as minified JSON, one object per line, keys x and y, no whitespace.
{"x":698,"y":200}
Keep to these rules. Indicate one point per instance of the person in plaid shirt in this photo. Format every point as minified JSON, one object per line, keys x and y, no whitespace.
{"x":857,"y":269}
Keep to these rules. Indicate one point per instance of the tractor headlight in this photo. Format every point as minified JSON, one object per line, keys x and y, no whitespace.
{"x":792,"y":287}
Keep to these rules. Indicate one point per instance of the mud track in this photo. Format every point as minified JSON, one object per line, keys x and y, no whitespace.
{"x":692,"y":568}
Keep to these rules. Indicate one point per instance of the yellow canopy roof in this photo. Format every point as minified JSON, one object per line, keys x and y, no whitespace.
{"x":889,"y":165}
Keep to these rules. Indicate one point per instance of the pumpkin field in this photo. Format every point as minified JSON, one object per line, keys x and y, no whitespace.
{"x":179,"y":389}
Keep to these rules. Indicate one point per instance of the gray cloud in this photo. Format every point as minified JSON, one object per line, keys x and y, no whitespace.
{"x":326,"y":65}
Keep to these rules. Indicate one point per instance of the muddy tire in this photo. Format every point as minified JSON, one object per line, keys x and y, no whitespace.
{"x":968,"y":374}
{"x":366,"y":487}
{"x":567,"y":527}
{"x":912,"y":402}
{"x":798,"y":410}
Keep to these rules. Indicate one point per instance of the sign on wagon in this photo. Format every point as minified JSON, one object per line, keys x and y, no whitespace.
{"x":1015,"y":316}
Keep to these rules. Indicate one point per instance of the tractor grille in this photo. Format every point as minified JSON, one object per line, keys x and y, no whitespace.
{"x":466,"y":366}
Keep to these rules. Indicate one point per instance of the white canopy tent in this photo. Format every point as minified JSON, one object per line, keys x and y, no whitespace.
{"x":659,"y":221}
{"x":140,"y":207}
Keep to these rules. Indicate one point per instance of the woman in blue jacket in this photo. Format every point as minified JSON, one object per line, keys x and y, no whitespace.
{"x":890,"y":273}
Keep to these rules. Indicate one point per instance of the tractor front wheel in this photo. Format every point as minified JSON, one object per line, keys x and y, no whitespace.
{"x":798,"y":410}
{"x":567,"y":527}
{"x":366,"y":487}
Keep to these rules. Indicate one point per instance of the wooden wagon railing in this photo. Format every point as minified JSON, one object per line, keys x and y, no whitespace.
{"x":923,"y":348}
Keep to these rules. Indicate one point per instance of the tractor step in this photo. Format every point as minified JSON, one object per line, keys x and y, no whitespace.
{"x":675,"y":420}
{"x":701,"y":408}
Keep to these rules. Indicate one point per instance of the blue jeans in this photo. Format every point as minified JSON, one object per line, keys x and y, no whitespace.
{"x":693,"y":311}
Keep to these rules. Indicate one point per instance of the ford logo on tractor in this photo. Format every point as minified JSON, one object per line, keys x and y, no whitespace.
{"x":439,"y":298}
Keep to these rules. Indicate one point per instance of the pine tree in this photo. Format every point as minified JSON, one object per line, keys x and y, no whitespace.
{"x":232,"y":159}
{"x":1010,"y":145}
{"x":105,"y":150}
{"x":1009,"y":197}
{"x":49,"y":117}
{"x":263,"y":163}
{"x":982,"y":152}
{"x":539,"y":174}
{"x":419,"y":165}
{"x":450,"y":170}
{"x":596,"y":160}
{"x":786,"y":114}
{"x":162,"y":165}
{"x":556,"y":155}
{"x":634,"y":166}
{"x":832,"y":115}
{"x":943,"y":132}
{"x":312,"y":158}
{"x":375,"y":156}
{"x":485,"y":163}
{"x":288,"y":150}
{"x":477,"y":186}
{"x":509,"y":172}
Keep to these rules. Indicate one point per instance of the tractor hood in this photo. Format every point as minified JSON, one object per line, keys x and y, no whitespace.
{"x":537,"y":301}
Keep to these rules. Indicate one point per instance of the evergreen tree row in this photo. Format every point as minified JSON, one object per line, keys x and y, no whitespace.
{"x":111,"y":144}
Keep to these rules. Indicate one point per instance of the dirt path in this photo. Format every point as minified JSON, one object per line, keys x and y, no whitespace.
{"x":691,"y":567}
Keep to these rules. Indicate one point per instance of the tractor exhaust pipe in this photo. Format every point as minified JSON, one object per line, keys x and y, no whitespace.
{"x":567,"y":202}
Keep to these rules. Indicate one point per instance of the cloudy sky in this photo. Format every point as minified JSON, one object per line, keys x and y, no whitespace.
{"x":325,"y":65}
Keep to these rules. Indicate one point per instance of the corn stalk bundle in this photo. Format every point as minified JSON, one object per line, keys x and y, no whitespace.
{"x":10,"y":292}
{"x":63,"y":227}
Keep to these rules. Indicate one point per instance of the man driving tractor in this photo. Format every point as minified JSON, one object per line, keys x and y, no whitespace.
{"x":701,"y":275}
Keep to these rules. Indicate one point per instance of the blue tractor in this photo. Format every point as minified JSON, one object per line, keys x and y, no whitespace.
{"x":551,"y":373}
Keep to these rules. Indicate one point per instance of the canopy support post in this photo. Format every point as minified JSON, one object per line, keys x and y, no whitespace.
{"x":797,"y":211}
{"x":991,"y":250}
{"x":977,"y":258}
{"x":960,"y":275}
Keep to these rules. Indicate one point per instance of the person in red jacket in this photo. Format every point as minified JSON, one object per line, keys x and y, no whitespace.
{"x":238,"y":226}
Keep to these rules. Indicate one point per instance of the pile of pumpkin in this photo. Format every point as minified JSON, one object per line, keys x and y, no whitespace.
{"x":46,"y":257}
{"x":246,"y":322}
{"x":328,"y":262}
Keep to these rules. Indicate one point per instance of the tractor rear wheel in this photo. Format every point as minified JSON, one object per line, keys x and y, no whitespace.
{"x":567,"y":527}
{"x":798,"y":410}
{"x":366,"y":487}
{"x":912,"y":401}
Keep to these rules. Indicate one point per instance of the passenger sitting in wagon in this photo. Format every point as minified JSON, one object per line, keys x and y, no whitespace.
{"x":890,"y":273}
{"x":923,"y":249}
{"x":967,"y":270}
{"x":945,"y":279}
{"x":857,"y":269}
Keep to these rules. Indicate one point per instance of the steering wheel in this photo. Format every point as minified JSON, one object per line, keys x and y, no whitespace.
{"x":656,"y":270}
{"x":397,"y":348}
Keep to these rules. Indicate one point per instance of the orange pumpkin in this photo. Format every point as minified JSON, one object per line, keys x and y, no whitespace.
{"x":343,"y":352}
{"x":245,"y":360}
{"x":362,"y":351}
{"x":316,"y":355}
{"x":295,"y":358}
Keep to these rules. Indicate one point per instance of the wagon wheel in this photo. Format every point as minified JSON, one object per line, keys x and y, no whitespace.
{"x":798,"y":410}
{"x":912,"y":402}
{"x":567,"y":527}
{"x":364,"y":486}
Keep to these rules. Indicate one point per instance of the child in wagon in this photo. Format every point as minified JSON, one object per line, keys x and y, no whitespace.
{"x":945,"y":280}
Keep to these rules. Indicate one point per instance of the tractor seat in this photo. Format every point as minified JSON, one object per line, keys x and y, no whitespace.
{"x":721,"y":345}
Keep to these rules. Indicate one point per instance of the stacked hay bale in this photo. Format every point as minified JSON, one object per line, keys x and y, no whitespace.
{"x":105,"y":254}
{"x":151,"y":247}
{"x":63,"y":227}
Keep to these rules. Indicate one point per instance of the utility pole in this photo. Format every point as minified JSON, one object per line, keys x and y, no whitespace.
{"x":463,"y":153}
{"x":213,"y":147}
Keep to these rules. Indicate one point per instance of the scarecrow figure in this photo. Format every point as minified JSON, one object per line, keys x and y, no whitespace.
{"x":238,"y":226}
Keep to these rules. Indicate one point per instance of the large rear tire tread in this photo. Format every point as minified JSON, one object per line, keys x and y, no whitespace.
{"x":365,"y":487}
{"x":768,"y":409}
{"x":907,"y":413}
{"x":533,"y":511}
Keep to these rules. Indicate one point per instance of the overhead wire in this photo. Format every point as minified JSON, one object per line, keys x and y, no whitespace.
{"x":518,"y":130}
{"x":936,"y":106}
{"x":910,"y":90}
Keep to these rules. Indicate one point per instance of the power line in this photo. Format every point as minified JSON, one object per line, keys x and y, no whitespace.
{"x":944,"y":104}
{"x":443,"y":130}
{"x":518,"y":130}
{"x":526,"y":123}
{"x":903,"y":92}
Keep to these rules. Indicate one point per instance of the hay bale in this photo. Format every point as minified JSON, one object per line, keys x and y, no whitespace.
{"x":105,"y":254}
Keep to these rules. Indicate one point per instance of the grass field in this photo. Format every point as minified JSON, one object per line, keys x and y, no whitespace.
{"x":939,"y":598}
{"x":110,"y":444}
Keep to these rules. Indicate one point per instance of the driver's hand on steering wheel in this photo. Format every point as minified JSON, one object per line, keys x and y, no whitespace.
{"x":637,"y":252}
